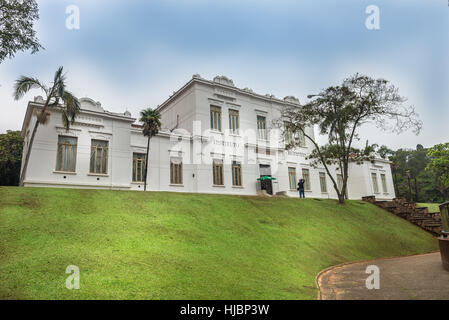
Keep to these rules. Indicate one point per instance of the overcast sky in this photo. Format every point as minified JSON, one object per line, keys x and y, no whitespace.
{"x":130,"y":54}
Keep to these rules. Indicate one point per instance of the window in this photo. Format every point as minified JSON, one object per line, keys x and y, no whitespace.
{"x":236,"y":174}
{"x":217,"y":168}
{"x":139,"y":167}
{"x":262,"y":127}
{"x":99,"y":157}
{"x":383,"y":178}
{"x":298,"y":136}
{"x":215,"y":118}
{"x":292,"y":178}
{"x":375,"y":185}
{"x":175,"y":171}
{"x":301,"y":139}
{"x":288,"y":137}
{"x":66,"y":160}
{"x":323,"y":184}
{"x":306,"y":177}
{"x":234,"y":121}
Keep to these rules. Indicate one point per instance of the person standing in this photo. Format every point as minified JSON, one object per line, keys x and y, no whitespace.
{"x":301,"y":188}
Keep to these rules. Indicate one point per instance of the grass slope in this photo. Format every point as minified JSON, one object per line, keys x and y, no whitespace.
{"x":433,"y":207}
{"x":135,"y":245}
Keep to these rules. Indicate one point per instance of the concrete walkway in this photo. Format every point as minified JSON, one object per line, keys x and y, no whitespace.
{"x":419,"y":277}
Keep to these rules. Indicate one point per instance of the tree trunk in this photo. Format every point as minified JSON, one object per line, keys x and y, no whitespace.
{"x":146,"y":164}
{"x":341,"y":198}
{"x":395,"y":182}
{"x":27,"y":157}
{"x":416,"y":191}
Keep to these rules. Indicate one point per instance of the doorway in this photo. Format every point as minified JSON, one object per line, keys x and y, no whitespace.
{"x":267,"y":185}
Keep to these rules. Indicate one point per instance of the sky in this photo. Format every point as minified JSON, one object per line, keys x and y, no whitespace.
{"x":132,"y":54}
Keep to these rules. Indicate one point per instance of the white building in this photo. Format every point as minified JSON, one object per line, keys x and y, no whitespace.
{"x":216,"y":138}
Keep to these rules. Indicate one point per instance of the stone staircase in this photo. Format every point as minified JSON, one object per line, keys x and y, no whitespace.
{"x":429,"y":221}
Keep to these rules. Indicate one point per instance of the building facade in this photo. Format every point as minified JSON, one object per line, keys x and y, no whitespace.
{"x":216,"y":138}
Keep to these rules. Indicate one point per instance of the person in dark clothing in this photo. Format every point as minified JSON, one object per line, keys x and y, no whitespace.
{"x":301,"y":188}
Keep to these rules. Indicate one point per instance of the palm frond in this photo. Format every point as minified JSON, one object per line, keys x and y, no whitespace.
{"x":58,"y":75}
{"x":72,"y":108}
{"x":25,"y":84}
{"x":59,"y":83}
{"x":151,"y":121}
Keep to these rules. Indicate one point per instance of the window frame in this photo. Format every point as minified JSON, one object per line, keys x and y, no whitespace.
{"x":134,"y":168}
{"x":236,"y":167}
{"x":383,"y":179}
{"x":323,"y":182}
{"x":60,"y":162}
{"x":217,"y":173}
{"x":104,"y":149}
{"x":215,"y":118}
{"x":292,"y":183}
{"x":307,"y":184}
{"x":262,"y":133}
{"x":375,"y":182}
{"x":176,"y":171}
{"x":234,"y":115}
{"x":302,"y":139}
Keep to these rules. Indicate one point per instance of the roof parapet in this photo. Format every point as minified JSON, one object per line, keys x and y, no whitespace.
{"x":224,"y":80}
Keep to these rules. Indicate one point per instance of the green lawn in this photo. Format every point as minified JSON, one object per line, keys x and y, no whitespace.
{"x":136,"y":245}
{"x":433,"y":207}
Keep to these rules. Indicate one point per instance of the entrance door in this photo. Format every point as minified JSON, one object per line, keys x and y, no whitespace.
{"x":265,"y":170}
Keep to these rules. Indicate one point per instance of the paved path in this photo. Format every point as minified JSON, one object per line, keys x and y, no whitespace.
{"x":414,"y":277}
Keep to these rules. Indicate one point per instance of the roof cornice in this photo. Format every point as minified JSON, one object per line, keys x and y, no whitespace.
{"x":197,"y":79}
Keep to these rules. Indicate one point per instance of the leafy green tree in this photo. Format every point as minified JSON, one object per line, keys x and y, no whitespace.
{"x":11,"y":145}
{"x":424,"y":185}
{"x":54,"y":94}
{"x":439,"y":165}
{"x":151,"y":120}
{"x":17,"y":19}
{"x":339,"y":111}
{"x":384,"y":152}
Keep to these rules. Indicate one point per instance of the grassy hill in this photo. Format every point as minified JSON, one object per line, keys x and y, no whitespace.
{"x":433,"y":207}
{"x":135,"y":245}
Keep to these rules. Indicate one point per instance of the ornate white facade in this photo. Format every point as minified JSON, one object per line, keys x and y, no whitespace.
{"x":216,"y":138}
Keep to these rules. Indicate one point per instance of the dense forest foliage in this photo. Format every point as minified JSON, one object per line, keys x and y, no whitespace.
{"x":11,"y":144}
{"x":415,"y":175}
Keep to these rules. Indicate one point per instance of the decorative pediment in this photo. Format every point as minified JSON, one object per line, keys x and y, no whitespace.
{"x":291,"y":99}
{"x":224,"y":80}
{"x":91,"y":105}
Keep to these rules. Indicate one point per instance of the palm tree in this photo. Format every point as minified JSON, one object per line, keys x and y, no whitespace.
{"x":151,"y":125}
{"x":54,"y":94}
